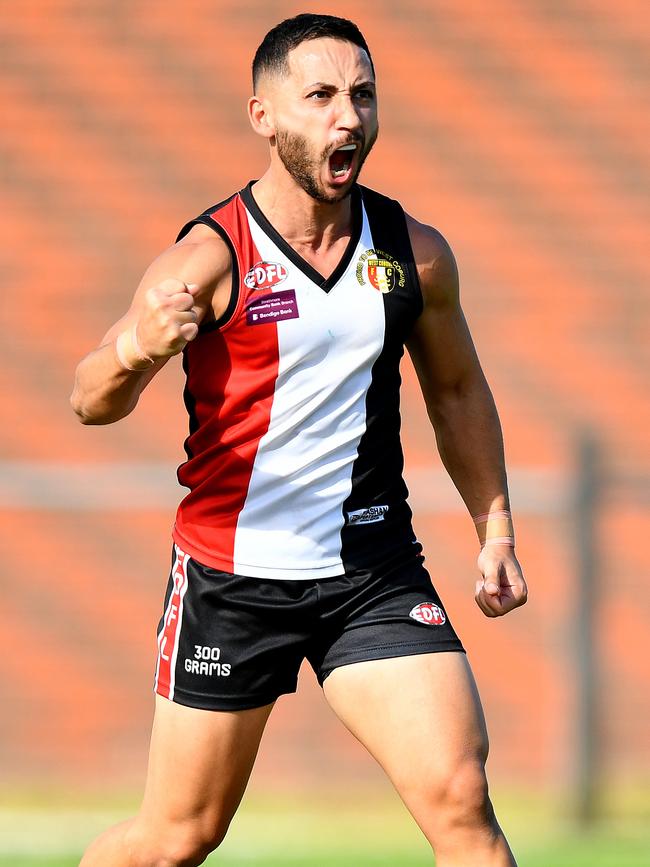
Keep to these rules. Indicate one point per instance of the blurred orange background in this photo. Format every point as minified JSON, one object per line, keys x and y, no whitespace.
{"x":521,"y":130}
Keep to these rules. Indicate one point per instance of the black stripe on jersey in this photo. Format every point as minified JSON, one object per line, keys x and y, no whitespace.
{"x":190,"y":405}
{"x":377,"y":530}
{"x":206,"y":219}
{"x":325,"y":283}
{"x":202,"y":217}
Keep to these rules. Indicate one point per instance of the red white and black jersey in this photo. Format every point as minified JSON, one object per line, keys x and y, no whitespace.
{"x":294,"y":461}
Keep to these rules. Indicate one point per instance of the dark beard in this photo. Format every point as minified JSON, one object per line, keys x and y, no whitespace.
{"x":293,"y":150}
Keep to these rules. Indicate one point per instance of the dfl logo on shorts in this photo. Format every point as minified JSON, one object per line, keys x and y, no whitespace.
{"x":429,"y":614}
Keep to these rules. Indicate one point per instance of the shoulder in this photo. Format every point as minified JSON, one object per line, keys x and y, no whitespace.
{"x":202,"y":250}
{"x":202,"y":258}
{"x":435,"y":263}
{"x":202,"y":241}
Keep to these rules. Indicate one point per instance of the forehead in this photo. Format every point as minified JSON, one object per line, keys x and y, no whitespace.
{"x":328,"y":60}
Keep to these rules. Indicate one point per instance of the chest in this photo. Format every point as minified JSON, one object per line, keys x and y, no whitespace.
{"x":314,"y":317}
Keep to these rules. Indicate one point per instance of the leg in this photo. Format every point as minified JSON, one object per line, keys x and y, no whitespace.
{"x":421,"y":718}
{"x":199,"y":765}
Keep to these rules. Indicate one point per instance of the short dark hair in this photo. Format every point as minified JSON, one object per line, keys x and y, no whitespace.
{"x":271,"y":56}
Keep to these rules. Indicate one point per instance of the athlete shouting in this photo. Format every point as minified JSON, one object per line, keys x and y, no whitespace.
{"x":292,"y":302}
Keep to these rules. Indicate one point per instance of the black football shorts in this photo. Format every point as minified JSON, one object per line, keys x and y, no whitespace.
{"x":228,"y":642}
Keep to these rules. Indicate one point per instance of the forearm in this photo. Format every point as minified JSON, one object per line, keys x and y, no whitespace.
{"x":104,"y":390}
{"x":470,"y":442}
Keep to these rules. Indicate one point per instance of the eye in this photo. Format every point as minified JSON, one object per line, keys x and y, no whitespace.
{"x":364,"y":93}
{"x":318,"y":95}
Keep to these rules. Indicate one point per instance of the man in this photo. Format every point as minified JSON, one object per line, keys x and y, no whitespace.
{"x":292,"y":302}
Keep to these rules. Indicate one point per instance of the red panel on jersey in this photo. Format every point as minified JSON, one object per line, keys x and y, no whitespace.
{"x":231,"y":376}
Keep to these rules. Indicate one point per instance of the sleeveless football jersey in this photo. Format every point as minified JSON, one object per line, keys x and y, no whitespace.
{"x":294,"y":461}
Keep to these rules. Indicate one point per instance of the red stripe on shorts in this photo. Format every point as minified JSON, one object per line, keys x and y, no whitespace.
{"x":170,"y":633}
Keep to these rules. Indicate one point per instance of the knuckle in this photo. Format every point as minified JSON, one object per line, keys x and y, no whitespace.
{"x":152,"y":296}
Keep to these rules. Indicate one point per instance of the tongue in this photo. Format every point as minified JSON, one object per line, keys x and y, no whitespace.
{"x":339,"y":160}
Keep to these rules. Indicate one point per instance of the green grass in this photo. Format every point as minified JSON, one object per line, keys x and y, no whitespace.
{"x":281,"y":831}
{"x":601,"y":850}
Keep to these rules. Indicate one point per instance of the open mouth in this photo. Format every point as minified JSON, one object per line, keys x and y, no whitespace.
{"x":341,"y":160}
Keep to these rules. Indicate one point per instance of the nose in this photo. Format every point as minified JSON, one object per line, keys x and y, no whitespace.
{"x":347,"y":115}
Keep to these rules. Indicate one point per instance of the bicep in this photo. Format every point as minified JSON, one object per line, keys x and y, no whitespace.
{"x":440,"y":344}
{"x":201,"y":258}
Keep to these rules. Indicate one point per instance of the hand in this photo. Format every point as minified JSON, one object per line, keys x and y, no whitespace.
{"x":502,"y":586}
{"x":168,"y":319}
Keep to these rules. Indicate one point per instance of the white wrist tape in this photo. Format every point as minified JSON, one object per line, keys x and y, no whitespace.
{"x":129,"y":352}
{"x":500,"y":540}
{"x":495,"y":528}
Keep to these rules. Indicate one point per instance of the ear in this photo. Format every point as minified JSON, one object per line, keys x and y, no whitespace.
{"x":260,"y":115}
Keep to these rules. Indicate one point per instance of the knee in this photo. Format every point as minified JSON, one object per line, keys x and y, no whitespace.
{"x":456,"y":799}
{"x":188,"y":846}
{"x":177,"y":844}
{"x":463,"y":797}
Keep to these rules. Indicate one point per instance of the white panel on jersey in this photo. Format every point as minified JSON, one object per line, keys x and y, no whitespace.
{"x":290,"y":526}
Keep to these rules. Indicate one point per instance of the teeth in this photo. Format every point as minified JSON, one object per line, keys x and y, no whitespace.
{"x":347,"y":162}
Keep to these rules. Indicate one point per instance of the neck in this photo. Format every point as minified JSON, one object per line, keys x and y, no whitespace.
{"x":301,"y":220}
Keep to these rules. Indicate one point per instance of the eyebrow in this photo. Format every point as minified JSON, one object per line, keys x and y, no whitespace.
{"x":328,"y":86}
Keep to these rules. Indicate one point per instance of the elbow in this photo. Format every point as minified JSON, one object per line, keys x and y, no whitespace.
{"x":446,"y":402}
{"x":78,"y":408}
{"x":468,"y":400}
{"x":79,"y":403}
{"x":83,"y":418}
{"x":84,"y":415}
{"x":93,"y":415}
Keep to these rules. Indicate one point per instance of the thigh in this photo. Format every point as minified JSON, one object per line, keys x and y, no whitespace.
{"x":420,"y":716}
{"x":380,"y":614}
{"x":199,"y":765}
{"x":229,"y":642}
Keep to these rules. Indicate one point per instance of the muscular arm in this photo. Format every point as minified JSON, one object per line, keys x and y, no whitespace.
{"x":186,"y":283}
{"x":462,"y":411}
{"x":457,"y":396}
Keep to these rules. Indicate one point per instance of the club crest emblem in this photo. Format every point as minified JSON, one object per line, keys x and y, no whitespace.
{"x":380,"y":270}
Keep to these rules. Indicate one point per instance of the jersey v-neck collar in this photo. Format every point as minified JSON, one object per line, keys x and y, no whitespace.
{"x":325,"y":283}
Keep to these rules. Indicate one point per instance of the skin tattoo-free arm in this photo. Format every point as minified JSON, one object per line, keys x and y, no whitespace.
{"x":187,"y":282}
{"x":462,"y":411}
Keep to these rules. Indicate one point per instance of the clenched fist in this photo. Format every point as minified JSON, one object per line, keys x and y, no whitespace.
{"x":168,"y":320}
{"x":502,"y":586}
